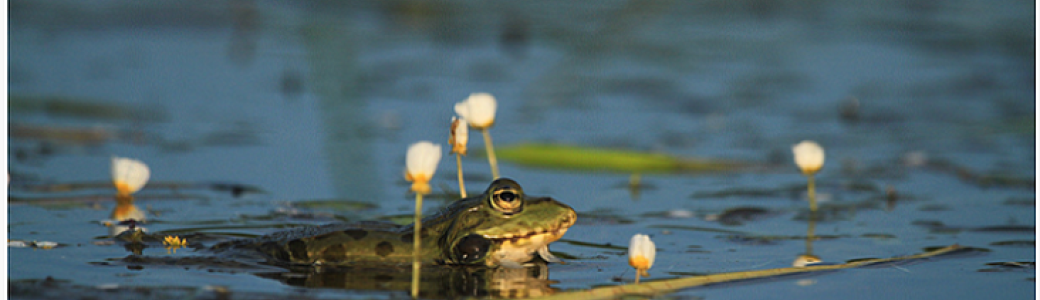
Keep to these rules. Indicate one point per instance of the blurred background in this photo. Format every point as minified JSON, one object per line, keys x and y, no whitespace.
{"x":292,"y":103}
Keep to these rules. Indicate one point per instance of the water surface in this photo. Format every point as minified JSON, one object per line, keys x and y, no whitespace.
{"x":316,"y":102}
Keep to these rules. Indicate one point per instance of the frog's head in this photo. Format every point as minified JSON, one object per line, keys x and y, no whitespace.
{"x":504,"y":226}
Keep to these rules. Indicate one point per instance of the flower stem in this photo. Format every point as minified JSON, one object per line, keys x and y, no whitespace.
{"x":462,"y":185}
{"x":490,"y":153}
{"x":416,"y":266}
{"x":637,"y":276}
{"x":810,"y":235}
{"x":812,"y":193}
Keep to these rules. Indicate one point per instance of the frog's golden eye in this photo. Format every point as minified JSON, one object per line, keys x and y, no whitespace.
{"x":507,"y":200}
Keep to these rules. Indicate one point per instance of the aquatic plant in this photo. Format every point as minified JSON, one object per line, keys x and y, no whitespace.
{"x":809,"y":156}
{"x":479,"y":111}
{"x":458,"y":138}
{"x":641,"y":254}
{"x":128,"y":175}
{"x":173,"y":243}
{"x":584,"y":158}
{"x":805,"y":260}
{"x":420,"y":163}
{"x":650,"y":289}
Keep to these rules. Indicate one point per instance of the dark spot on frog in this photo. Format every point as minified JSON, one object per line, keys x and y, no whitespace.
{"x":298,"y":249}
{"x":275,"y":250}
{"x":410,"y":237}
{"x":385,"y":248}
{"x":357,"y":234}
{"x":335,"y":253}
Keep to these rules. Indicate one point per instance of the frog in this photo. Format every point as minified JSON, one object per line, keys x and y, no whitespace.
{"x":502,"y":227}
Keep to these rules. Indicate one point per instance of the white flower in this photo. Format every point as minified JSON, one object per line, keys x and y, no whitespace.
{"x":45,"y":245}
{"x":459,"y":136}
{"x":421,"y":163}
{"x":805,"y":260}
{"x":808,"y":155}
{"x":641,"y":253}
{"x":128,"y":175}
{"x":478,"y":110}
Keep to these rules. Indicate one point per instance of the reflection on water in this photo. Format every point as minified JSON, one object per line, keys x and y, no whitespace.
{"x":808,"y":258}
{"x":349,"y":136}
{"x":437,"y":281}
{"x":440,"y":282}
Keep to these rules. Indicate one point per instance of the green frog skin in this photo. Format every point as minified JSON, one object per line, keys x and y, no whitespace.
{"x":501,"y":227}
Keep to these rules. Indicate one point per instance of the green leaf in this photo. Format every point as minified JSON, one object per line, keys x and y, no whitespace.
{"x":570,"y":157}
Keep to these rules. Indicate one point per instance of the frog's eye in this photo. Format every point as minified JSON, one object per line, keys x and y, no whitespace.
{"x":507,"y":200}
{"x":472,"y":248}
{"x":507,"y":196}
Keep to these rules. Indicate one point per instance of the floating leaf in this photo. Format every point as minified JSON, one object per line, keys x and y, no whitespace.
{"x":697,"y":228}
{"x":594,"y":245}
{"x":77,"y":107}
{"x":334,"y":204}
{"x":580,"y":158}
{"x":1015,"y":243}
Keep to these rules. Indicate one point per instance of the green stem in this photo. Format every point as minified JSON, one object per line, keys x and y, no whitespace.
{"x":812,"y":193}
{"x":462,"y":185}
{"x":811,"y":234}
{"x":416,"y":264}
{"x":490,"y":153}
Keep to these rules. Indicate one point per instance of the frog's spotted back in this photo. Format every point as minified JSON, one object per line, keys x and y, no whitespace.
{"x":501,"y":226}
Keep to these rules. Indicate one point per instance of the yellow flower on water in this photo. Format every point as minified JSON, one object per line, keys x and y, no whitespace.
{"x":128,"y":175}
{"x":478,"y":110}
{"x":175,"y":241}
{"x":641,"y":254}
{"x":420,"y":164}
{"x":808,"y":155}
{"x":459,"y":136}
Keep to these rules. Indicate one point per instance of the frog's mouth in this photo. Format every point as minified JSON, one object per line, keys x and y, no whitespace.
{"x":520,"y":247}
{"x":557,"y":229}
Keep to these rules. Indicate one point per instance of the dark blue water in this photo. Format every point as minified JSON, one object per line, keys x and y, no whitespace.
{"x":319,"y":101}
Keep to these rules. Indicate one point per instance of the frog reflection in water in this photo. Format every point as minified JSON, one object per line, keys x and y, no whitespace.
{"x":501,"y":227}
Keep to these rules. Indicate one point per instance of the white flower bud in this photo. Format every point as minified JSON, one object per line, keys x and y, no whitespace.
{"x":420,"y":164}
{"x":478,"y":110}
{"x":128,"y":175}
{"x":808,"y":155}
